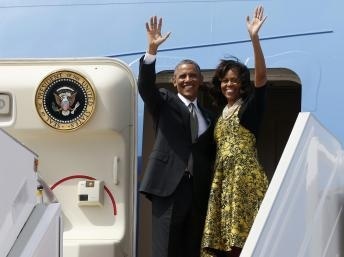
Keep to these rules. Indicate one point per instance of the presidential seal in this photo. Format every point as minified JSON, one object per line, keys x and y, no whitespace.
{"x":65,"y":100}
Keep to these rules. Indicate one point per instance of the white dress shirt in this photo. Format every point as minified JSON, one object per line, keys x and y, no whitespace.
{"x":202,"y":124}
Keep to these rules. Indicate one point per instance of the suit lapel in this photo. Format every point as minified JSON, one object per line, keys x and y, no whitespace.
{"x":184,"y":112}
{"x":206,"y":116}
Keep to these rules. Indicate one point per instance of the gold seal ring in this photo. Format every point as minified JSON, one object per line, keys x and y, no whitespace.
{"x":65,"y":100}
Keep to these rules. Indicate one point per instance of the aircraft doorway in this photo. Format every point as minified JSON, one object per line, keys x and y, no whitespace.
{"x":283,"y":107}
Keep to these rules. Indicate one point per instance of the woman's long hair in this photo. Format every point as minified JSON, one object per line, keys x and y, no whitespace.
{"x":224,"y":66}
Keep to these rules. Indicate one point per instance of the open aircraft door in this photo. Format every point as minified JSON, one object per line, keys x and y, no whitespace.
{"x":79,"y":116}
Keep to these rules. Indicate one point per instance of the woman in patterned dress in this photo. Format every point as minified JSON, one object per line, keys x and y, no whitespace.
{"x":239,"y":182}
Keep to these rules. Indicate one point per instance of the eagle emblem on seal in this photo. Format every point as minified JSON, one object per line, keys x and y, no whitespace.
{"x":65,"y":101}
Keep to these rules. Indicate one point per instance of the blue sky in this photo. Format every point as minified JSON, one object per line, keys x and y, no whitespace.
{"x":85,"y":28}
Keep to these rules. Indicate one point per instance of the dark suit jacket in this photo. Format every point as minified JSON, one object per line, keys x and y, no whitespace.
{"x":168,"y":160}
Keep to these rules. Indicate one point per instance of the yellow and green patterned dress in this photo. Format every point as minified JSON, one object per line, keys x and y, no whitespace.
{"x":237,"y":189}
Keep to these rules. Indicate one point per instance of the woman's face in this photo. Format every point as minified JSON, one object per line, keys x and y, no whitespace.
{"x":230,"y":86}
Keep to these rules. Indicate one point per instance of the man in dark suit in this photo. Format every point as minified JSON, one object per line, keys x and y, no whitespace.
{"x":179,"y":170}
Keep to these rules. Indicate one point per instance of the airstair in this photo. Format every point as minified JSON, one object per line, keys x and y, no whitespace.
{"x":302,"y":212}
{"x":28,"y":227}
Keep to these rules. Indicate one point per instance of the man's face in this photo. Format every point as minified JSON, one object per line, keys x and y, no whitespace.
{"x":187,"y":80}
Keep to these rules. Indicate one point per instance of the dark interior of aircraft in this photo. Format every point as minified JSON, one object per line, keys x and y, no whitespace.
{"x":282,"y":109}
